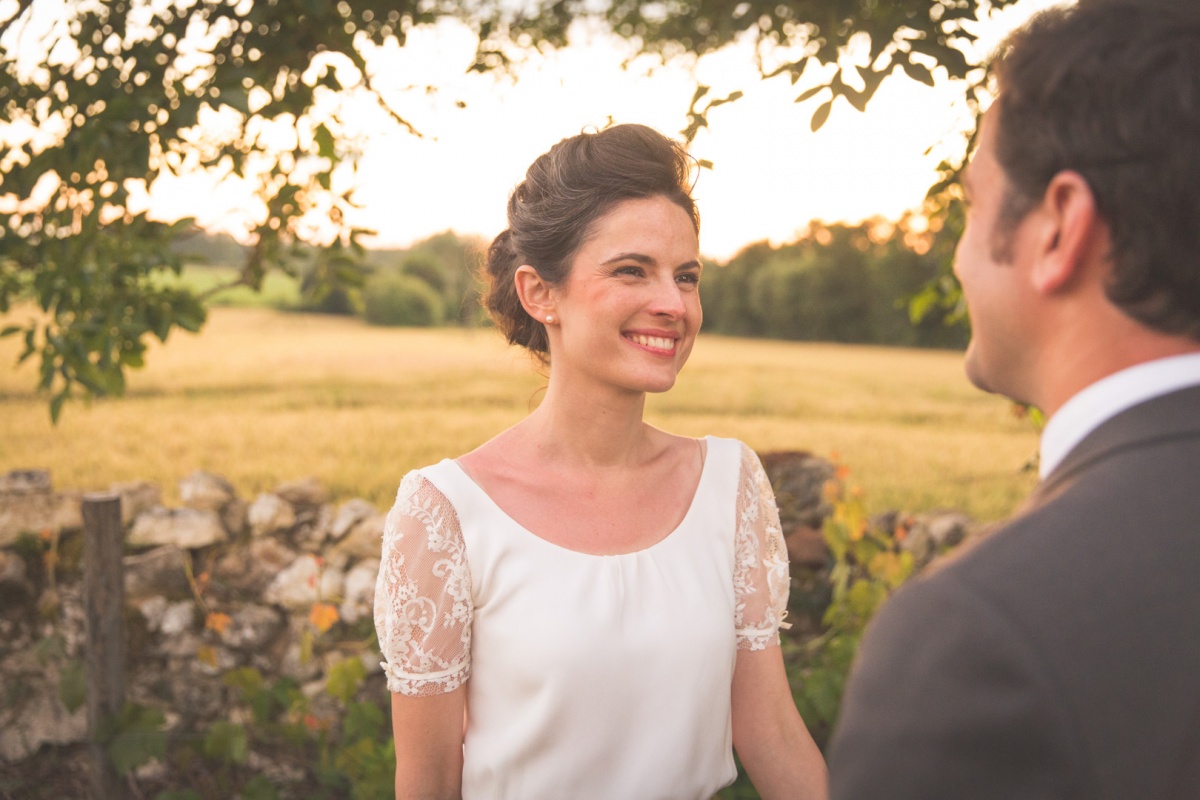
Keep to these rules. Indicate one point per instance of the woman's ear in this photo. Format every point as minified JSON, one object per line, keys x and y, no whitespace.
{"x":535,"y":294}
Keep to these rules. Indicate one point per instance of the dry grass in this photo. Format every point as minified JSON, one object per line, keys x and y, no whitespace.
{"x":262,"y":397}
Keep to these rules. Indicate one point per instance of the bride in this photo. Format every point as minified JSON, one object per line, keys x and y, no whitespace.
{"x":587,"y":607}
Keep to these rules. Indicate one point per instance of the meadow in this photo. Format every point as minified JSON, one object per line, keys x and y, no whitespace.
{"x":263,"y":396}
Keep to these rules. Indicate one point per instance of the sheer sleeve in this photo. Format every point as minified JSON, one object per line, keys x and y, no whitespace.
{"x":423,"y":593}
{"x":760,"y":577}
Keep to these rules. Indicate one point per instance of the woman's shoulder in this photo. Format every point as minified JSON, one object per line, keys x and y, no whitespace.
{"x":430,"y":482}
{"x":722,"y":450}
{"x":729,"y":448}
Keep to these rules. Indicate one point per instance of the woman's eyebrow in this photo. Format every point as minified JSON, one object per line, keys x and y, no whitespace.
{"x":641,"y":258}
{"x":649,"y":261}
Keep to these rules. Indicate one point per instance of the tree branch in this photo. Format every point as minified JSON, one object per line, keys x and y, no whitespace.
{"x":366,"y":81}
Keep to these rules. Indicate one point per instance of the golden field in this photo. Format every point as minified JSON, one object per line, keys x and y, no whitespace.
{"x":263,"y":396}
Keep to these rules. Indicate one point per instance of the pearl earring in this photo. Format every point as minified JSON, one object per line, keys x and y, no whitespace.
{"x":549,"y":319}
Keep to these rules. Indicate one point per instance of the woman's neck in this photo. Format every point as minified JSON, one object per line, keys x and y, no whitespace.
{"x":589,"y":429}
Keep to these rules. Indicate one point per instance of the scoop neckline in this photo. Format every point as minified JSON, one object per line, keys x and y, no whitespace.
{"x":672,"y":534}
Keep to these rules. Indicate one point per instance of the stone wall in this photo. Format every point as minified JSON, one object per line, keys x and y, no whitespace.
{"x":262,"y":563}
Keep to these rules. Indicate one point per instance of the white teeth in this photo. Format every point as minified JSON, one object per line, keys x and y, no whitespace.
{"x":656,"y":342}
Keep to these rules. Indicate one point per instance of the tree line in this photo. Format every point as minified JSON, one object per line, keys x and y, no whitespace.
{"x":865,"y":283}
{"x":834,"y":283}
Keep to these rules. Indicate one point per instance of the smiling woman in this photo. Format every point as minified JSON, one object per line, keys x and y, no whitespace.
{"x":600,"y":600}
{"x":636,"y":277}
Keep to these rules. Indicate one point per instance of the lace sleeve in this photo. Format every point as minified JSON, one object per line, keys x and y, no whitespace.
{"x":760,"y":577}
{"x":423,"y":593}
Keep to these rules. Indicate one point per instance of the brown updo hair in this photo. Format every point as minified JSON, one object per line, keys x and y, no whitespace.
{"x":565,"y":192}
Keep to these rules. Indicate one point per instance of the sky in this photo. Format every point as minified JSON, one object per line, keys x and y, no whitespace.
{"x":771,"y":175}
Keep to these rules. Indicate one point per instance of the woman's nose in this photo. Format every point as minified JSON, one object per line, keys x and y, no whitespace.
{"x":668,"y":299}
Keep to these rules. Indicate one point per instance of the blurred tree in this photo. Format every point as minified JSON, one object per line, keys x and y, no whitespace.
{"x":836,"y":283}
{"x":392,"y":298}
{"x":99,"y":98}
{"x":428,"y":269}
{"x":459,"y":259}
{"x":726,"y":292}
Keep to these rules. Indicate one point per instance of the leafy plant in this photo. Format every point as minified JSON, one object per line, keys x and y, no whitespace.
{"x":393,"y":299}
{"x":134,"y":737}
{"x":868,"y":565}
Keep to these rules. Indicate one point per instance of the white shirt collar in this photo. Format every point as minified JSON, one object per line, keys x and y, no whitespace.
{"x":1108,"y":397}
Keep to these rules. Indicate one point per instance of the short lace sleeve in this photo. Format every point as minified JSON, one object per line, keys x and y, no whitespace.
{"x":760,"y":577}
{"x":423,"y":593}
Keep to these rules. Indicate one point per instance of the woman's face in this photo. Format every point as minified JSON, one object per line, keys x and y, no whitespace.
{"x":628,"y":313}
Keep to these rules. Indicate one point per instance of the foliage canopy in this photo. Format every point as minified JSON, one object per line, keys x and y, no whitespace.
{"x":99,"y":99}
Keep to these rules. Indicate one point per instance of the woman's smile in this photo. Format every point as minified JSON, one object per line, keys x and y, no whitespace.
{"x":655,"y":343}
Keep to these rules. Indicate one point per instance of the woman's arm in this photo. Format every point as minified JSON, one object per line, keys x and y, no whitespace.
{"x":429,"y":735}
{"x":423,"y":617}
{"x":771,"y":739}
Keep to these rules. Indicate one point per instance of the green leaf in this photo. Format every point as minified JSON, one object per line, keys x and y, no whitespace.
{"x":56,"y":405}
{"x":918,"y":72}
{"x":227,"y":742}
{"x":371,"y":769}
{"x":72,"y":685}
{"x":921,"y":304}
{"x":864,"y":597}
{"x":52,"y":647}
{"x":134,"y":738}
{"x":363,"y":721}
{"x":821,"y":115}
{"x":857,"y":99}
{"x":259,"y":788}
{"x":949,"y":57}
{"x":325,"y":142}
{"x":809,"y":93}
{"x":247,"y":680}
{"x":344,"y":679}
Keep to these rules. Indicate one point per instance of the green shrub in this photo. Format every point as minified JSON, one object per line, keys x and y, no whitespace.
{"x":428,"y":269}
{"x":392,"y":299}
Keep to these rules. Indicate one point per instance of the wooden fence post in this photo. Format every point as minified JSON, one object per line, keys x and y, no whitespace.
{"x":104,"y":597}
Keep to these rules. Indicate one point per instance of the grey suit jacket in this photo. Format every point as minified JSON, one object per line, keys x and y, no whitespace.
{"x":1058,"y":658}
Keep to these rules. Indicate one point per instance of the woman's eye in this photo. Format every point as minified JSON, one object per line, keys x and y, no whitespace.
{"x":688,"y":277}
{"x":635,"y":271}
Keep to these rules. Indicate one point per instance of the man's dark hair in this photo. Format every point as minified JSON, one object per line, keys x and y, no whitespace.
{"x":1111,"y":89}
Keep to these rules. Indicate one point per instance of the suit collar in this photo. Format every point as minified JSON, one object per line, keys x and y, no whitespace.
{"x":1104,"y":399}
{"x":1170,"y":416}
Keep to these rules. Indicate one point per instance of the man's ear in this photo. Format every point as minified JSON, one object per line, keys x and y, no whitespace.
{"x":535,"y":294}
{"x":1069,"y":234}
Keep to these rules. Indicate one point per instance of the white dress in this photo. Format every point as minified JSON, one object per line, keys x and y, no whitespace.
{"x":590,"y":677}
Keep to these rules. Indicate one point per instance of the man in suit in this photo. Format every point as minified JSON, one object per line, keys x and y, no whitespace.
{"x":1060,"y":656}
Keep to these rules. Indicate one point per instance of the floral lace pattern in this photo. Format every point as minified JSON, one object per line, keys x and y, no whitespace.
{"x":424,"y":625}
{"x":760,"y":572}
